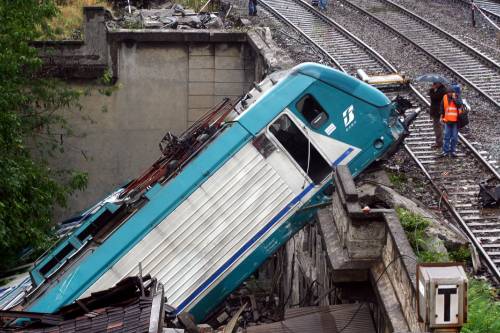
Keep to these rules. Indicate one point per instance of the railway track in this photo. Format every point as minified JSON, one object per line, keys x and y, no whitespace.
{"x":457,"y":190}
{"x":491,"y":8}
{"x":469,"y":64}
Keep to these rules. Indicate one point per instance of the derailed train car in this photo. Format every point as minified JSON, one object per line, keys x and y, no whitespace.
{"x":224,"y":195}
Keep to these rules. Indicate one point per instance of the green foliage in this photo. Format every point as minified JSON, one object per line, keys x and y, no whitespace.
{"x":460,"y":254}
{"x":196,"y":5}
{"x":108,"y":87}
{"x":483,"y":308}
{"x":415,"y":226}
{"x":132,"y":25}
{"x":30,"y":121}
{"x":68,"y":24}
{"x":431,"y":256}
{"x":397,"y":179}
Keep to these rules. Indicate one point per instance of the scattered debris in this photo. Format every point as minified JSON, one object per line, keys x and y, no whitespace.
{"x":489,"y":195}
{"x":134,"y":304}
{"x":233,"y":323}
{"x":162,"y":15}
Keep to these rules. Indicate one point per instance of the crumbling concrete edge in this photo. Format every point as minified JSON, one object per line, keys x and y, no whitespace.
{"x":81,"y":59}
{"x":89,"y":58}
{"x":393,"y":268}
{"x":269,"y":60}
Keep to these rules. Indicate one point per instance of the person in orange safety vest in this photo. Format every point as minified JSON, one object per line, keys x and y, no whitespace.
{"x":450,"y":109}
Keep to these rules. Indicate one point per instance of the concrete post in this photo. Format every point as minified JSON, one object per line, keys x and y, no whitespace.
{"x":95,"y":32}
{"x":362,"y":233}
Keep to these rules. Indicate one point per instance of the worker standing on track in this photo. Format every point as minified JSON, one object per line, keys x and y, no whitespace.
{"x":450,"y":108}
{"x":252,"y":7}
{"x":323,"y":4}
{"x":436,"y":93}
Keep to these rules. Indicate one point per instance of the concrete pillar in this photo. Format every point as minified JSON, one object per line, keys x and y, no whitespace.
{"x":95,"y":31}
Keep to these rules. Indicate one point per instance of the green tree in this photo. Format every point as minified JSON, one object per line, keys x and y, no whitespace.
{"x":31,"y":124}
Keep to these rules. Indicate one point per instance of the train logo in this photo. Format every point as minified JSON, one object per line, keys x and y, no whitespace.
{"x":348,"y":115}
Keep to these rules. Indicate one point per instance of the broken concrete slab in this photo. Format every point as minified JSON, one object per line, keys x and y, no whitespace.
{"x":375,"y":189}
{"x":214,"y":23}
{"x":190,"y":21}
{"x":243,"y":22}
{"x":157,"y":18}
{"x":274,"y":59}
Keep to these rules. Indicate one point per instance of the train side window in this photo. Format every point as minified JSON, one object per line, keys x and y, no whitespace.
{"x":309,"y":107}
{"x":300,"y":148}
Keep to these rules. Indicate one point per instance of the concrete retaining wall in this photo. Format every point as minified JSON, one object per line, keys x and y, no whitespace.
{"x":386,"y":259}
{"x":161,"y":87}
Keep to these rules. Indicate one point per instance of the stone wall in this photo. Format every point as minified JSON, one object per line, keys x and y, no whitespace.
{"x":371,"y":245}
{"x":399,"y":268}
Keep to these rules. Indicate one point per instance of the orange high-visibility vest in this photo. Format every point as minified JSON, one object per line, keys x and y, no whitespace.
{"x":450,"y":110}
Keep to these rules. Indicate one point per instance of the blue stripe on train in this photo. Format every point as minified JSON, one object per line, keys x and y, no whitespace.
{"x":245,"y":247}
{"x":254,"y":239}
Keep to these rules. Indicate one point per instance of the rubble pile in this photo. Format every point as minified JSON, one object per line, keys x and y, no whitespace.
{"x":161,"y":15}
{"x":256,"y":302}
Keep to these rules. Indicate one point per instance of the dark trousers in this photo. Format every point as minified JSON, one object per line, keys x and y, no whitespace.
{"x":252,"y":7}
{"x":438,"y":130}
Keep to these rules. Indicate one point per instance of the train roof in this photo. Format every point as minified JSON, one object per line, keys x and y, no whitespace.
{"x":344,"y":82}
{"x":273,"y":101}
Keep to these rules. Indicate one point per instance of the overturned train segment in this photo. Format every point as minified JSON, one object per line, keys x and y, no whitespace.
{"x":225,"y":194}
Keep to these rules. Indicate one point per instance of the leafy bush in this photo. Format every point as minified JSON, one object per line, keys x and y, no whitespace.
{"x":460,"y":254}
{"x":414,"y":225}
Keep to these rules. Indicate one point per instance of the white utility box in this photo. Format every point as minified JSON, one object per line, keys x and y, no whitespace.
{"x":442,"y":296}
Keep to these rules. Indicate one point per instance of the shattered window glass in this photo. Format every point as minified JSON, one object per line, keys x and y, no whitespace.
{"x":300,"y":148}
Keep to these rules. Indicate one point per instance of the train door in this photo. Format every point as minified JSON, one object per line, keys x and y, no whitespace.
{"x":298,"y":159}
{"x":322,"y":128}
{"x":344,"y":126}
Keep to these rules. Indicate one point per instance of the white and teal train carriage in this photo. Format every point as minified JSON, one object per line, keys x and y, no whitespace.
{"x":202,"y":225}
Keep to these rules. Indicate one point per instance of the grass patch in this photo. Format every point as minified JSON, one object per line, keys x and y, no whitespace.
{"x":460,"y":254}
{"x":69,"y":23}
{"x":415,"y":226}
{"x":483,"y":308}
{"x":397,"y":179}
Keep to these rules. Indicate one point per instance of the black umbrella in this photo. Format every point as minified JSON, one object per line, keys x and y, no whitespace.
{"x":434,"y":78}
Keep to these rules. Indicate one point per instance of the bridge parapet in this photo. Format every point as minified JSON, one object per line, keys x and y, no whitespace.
{"x":362,"y":232}
{"x":370,"y":245}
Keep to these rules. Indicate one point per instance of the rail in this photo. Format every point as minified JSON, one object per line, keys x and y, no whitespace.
{"x":332,"y":39}
{"x":470,"y":65}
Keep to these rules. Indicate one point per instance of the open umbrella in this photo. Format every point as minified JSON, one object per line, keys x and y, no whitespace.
{"x":432,"y":78}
